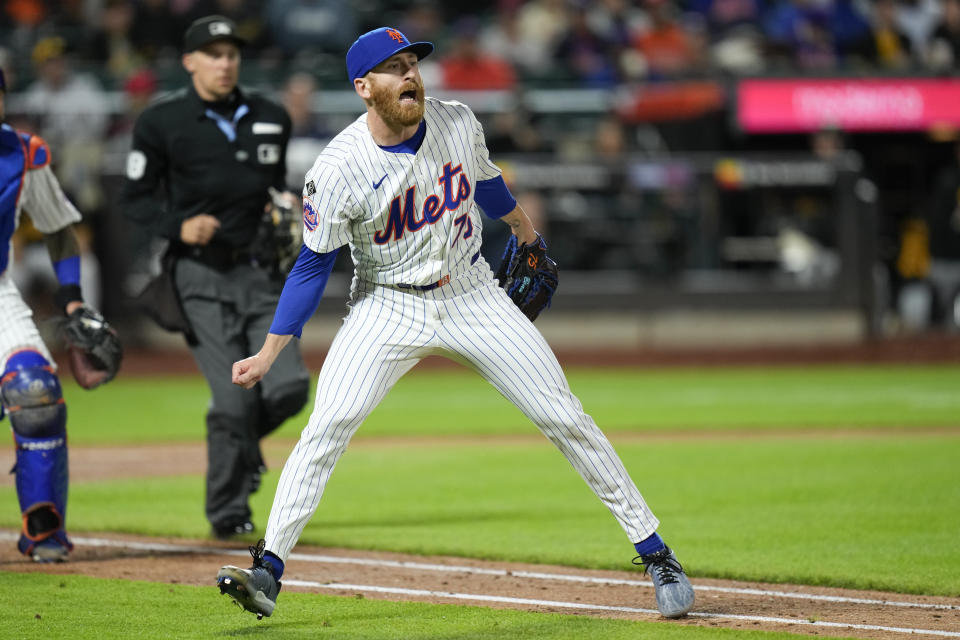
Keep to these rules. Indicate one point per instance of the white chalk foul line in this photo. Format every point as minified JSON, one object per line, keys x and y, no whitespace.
{"x":159,"y":547}
{"x":599,"y":607}
{"x":534,"y":575}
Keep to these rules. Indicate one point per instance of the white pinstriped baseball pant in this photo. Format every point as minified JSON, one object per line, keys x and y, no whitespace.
{"x":386,"y":332}
{"x":17,"y":329}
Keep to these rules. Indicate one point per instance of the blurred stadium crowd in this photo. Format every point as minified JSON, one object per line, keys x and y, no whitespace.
{"x":80,"y":71}
{"x":585,"y":42}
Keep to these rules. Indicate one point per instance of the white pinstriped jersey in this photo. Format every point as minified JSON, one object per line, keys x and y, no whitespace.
{"x":408,"y":218}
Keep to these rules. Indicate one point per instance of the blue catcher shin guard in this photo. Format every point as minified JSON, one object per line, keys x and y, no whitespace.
{"x":32,"y":396}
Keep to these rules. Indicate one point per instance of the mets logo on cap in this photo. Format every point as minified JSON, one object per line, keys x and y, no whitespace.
{"x":375,"y":46}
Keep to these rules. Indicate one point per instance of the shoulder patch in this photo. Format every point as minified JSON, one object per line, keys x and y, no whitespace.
{"x":38,"y":153}
{"x":310,"y":219}
{"x":136,"y":164}
{"x":310,"y":188}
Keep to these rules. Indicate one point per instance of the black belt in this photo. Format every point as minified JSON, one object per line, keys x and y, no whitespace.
{"x":439,"y":283}
{"x":216,"y":256}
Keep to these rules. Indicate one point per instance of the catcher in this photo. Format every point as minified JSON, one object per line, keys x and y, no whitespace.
{"x":29,"y":387}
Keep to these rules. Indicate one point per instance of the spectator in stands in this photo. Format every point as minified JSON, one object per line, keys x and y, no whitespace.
{"x":514,"y":130}
{"x":157,"y":30}
{"x":299,"y":26}
{"x":724,"y":15}
{"x":885,"y":46}
{"x":504,"y":35}
{"x":591,"y":57}
{"x":798,"y":34}
{"x":541,"y":24}
{"x":468,"y":67}
{"x":138,"y":90}
{"x":25,"y":14}
{"x":421,"y":20}
{"x":917,"y":19}
{"x":827,"y":143}
{"x":609,"y":139}
{"x":112,"y":44}
{"x":735,"y":39}
{"x":71,"y":112}
{"x":815,"y":35}
{"x":615,"y":20}
{"x":308,"y":134}
{"x":668,"y":49}
{"x":299,"y":92}
{"x":943,"y":50}
{"x":6,"y":66}
{"x":248,"y":16}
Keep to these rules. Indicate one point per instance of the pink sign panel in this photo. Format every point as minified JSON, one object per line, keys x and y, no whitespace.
{"x":889,"y":104}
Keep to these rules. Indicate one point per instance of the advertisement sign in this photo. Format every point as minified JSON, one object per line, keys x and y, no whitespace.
{"x":874,"y":104}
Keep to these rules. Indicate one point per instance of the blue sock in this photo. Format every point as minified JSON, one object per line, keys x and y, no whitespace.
{"x":276,"y":564}
{"x":650,"y":545}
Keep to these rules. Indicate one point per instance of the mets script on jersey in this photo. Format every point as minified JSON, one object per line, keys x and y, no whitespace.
{"x":409,"y":218}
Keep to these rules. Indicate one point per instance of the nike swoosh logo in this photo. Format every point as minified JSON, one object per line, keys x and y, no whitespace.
{"x":376,"y":185}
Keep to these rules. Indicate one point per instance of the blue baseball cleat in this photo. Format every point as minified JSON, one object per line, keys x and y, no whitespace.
{"x":672,"y":588}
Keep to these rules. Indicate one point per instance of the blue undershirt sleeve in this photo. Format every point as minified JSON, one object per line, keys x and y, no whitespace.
{"x":302,"y":291}
{"x":494,"y":197}
{"x":68,"y":270}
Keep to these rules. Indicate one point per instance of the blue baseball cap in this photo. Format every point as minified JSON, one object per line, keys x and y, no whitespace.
{"x":375,"y":46}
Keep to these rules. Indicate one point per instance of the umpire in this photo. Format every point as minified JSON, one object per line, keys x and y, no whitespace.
{"x":198,"y":174}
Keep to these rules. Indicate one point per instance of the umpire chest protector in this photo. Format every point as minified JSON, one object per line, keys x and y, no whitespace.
{"x":217,"y":158}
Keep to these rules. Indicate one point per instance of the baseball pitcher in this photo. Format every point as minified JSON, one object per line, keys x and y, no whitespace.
{"x":404,"y":186}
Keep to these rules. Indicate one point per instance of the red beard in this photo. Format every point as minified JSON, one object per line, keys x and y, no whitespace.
{"x":396,"y":113}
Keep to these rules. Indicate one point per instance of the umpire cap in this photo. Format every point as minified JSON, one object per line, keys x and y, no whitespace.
{"x":375,"y":46}
{"x":203,"y":31}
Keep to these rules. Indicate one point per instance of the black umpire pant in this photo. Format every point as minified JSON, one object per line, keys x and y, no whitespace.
{"x":231,"y":311}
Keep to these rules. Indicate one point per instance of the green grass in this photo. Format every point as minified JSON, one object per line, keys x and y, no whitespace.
{"x":824,"y":502}
{"x":81,"y":608}
{"x":843,"y":511}
{"x":437,"y":402}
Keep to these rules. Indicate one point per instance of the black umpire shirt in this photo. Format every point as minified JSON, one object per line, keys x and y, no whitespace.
{"x":214,"y":158}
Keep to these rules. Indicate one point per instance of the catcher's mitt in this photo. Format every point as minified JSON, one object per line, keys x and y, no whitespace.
{"x":93,"y":346}
{"x":528,"y":275}
{"x":279,"y":236}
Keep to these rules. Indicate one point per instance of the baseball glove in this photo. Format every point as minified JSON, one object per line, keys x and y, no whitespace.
{"x":528,"y":276}
{"x":93,"y":347}
{"x":279,"y":236}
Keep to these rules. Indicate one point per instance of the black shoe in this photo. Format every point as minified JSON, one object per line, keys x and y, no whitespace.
{"x":254,"y":589}
{"x":229,"y":530}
